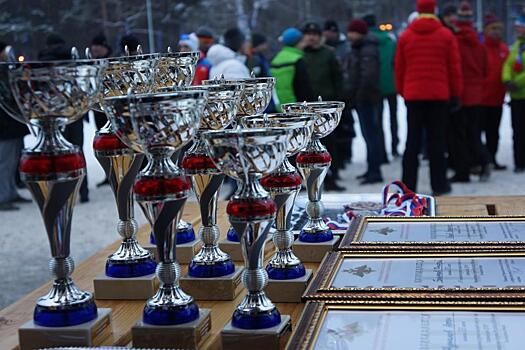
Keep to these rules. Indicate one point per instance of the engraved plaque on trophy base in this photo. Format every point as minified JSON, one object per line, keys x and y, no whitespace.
{"x":184,"y":336}
{"x":288,"y":291}
{"x":269,"y":338}
{"x":132,"y":288}
{"x":92,"y":333}
{"x":185,"y":251}
{"x":313,"y":252}
{"x":233,"y":249}
{"x":215,"y":288}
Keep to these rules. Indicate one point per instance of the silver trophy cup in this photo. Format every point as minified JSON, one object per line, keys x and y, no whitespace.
{"x":247,"y":155}
{"x":313,"y":163}
{"x":284,"y":184}
{"x":163,"y":123}
{"x":220,"y":111}
{"x":50,"y":95}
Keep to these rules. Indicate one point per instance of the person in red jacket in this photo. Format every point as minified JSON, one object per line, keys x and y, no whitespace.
{"x":188,"y":43}
{"x":428,"y":76}
{"x":493,"y":88}
{"x":467,"y":150}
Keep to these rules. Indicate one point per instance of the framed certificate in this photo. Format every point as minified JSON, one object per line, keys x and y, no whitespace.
{"x":435,"y":234}
{"x":338,"y":206}
{"x":391,"y":276}
{"x":328,"y":325}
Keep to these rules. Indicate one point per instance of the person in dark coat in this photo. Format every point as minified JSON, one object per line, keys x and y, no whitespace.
{"x":12,"y":135}
{"x":428,"y":75}
{"x":345,"y":132}
{"x":365,"y":94}
{"x":327,"y":82}
{"x":493,"y":88}
{"x":467,"y":150}
{"x":56,"y":49}
{"x":387,"y":51}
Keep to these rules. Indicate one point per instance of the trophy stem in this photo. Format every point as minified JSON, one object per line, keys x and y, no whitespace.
{"x":251,"y":215}
{"x":284,"y":184}
{"x":206,"y":179}
{"x":161,"y":192}
{"x":121,"y":165}
{"x":313,"y":163}
{"x":53,"y":178}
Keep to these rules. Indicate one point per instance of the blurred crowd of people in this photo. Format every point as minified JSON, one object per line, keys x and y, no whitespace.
{"x":453,"y":80}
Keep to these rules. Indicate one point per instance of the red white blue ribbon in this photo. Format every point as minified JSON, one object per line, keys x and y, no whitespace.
{"x":402,"y":202}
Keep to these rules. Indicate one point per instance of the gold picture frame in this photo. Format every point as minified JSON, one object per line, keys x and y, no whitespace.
{"x":370,"y":265}
{"x":353,"y":239}
{"x":310,"y":326}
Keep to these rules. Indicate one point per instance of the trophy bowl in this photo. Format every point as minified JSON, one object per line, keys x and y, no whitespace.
{"x":61,"y":90}
{"x":314,"y":162}
{"x":162,"y":123}
{"x":49,"y":95}
{"x":176,"y":68}
{"x":247,"y":155}
{"x":219,"y":113}
{"x":300,"y":125}
{"x":328,"y":114}
{"x":256,"y":94}
{"x":136,"y":72}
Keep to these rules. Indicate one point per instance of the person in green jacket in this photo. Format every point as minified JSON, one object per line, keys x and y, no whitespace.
{"x":513,"y":77}
{"x":327,"y":82}
{"x":289,"y":70}
{"x":387,"y":51}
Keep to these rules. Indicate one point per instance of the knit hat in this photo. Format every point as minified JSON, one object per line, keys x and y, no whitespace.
{"x":311,"y":28}
{"x":258,"y":39}
{"x":426,"y":6}
{"x":291,"y":36}
{"x":465,"y":12}
{"x":358,"y":26}
{"x":189,"y":40}
{"x":491,"y":20}
{"x":234,"y":39}
{"x":370,"y":20}
{"x":204,"y":32}
{"x":331,"y":26}
{"x":448,"y":9}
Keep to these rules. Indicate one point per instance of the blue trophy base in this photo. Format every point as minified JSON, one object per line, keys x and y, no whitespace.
{"x":260,"y":321}
{"x":138,"y":269}
{"x":169,"y":316}
{"x":316,"y":237}
{"x":232,"y":235}
{"x":63,"y":317}
{"x":208,"y":271}
{"x":183,"y":236}
{"x":287,"y":273}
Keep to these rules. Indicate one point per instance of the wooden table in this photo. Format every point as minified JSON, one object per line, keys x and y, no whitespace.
{"x":126,"y":313}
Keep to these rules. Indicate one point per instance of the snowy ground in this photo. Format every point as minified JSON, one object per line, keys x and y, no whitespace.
{"x":24,"y":249}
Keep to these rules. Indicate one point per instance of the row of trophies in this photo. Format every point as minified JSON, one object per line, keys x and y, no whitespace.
{"x":153,"y":112}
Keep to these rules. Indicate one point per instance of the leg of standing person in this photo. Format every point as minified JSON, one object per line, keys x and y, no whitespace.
{"x":415,"y":113}
{"x":479,"y":153}
{"x":74,"y":133}
{"x":8,"y":165}
{"x":368,"y":118}
{"x":518,"y":134}
{"x":436,"y":129}
{"x":491,"y":121}
{"x":392,"y":107}
{"x":381,"y":132}
{"x":458,"y":130}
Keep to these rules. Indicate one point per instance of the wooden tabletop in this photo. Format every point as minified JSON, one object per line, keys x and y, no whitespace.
{"x":126,"y":313}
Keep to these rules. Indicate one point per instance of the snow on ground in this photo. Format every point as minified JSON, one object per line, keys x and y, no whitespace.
{"x":24,"y":249}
